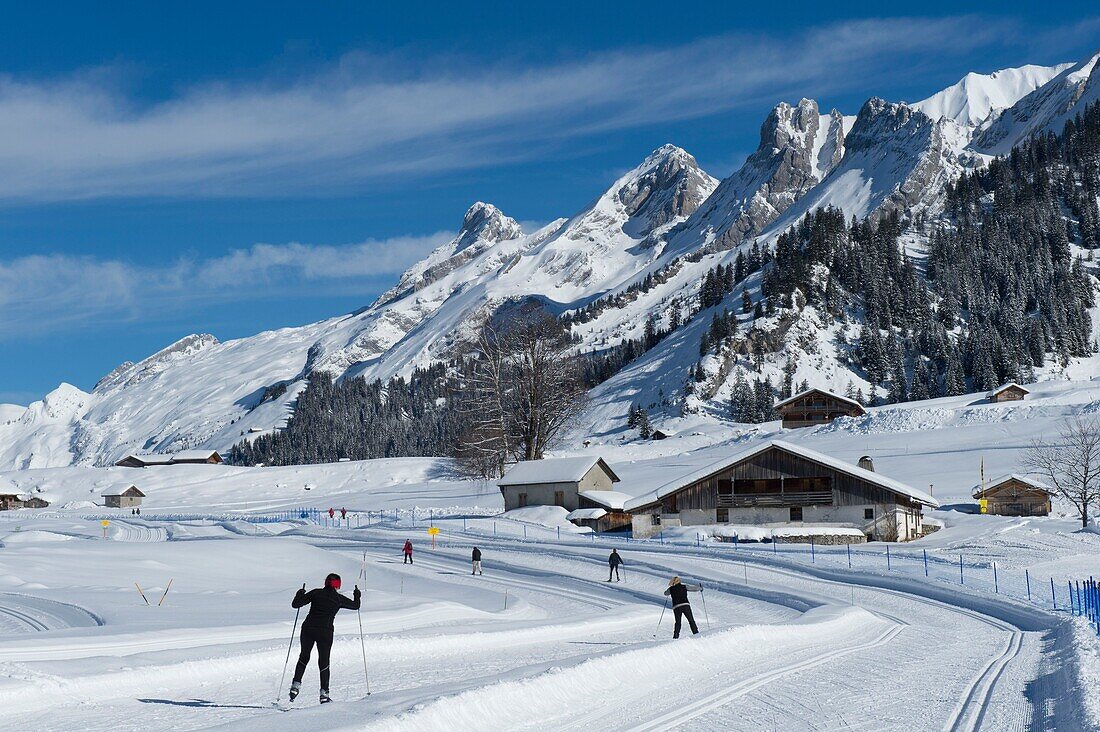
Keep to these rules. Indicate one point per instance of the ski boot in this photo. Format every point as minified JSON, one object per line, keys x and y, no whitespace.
{"x":294,"y":689}
{"x":325,"y":698}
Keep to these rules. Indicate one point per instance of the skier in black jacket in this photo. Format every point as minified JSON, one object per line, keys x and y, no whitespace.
{"x":678,"y":591}
{"x":324,"y":603}
{"x":614,"y":562}
{"x":476,"y":557}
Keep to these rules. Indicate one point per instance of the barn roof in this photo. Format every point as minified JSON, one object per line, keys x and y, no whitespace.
{"x":132,"y":490}
{"x":554,"y":470}
{"x":829,"y":394}
{"x":841,"y":466}
{"x":610,"y":499}
{"x":976,"y":492}
{"x":582,"y":514}
{"x":1003,"y":387}
{"x":190,"y":455}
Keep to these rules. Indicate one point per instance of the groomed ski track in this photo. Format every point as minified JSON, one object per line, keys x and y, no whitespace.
{"x":792,"y":648}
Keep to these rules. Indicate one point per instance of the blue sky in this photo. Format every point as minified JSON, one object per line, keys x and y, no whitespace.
{"x":234,"y":167}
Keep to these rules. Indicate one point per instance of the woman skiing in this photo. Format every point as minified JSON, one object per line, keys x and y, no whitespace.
{"x":678,"y":591}
{"x":324,"y":603}
{"x":407,"y":550}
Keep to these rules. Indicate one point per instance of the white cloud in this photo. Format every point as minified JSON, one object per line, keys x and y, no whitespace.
{"x":365,"y":122}
{"x":55,"y":293}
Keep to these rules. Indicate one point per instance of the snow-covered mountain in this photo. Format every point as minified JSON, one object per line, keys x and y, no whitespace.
{"x":666,"y":215}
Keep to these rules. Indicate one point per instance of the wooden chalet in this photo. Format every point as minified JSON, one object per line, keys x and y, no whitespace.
{"x":1010,"y":392}
{"x":1015,"y":495}
{"x":555,"y":482}
{"x":816,"y":406}
{"x":129,"y":498}
{"x":778,"y":484}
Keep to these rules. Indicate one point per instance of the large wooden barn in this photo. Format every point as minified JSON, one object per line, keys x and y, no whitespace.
{"x":555,"y":482}
{"x":1015,"y":495}
{"x":129,"y":498}
{"x":816,"y":406}
{"x":777,"y":483}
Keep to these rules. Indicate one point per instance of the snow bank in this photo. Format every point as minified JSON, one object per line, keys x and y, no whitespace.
{"x":35,"y":537}
{"x":552,"y":517}
{"x":719,"y":532}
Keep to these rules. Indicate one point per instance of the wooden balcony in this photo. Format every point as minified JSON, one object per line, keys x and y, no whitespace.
{"x":801,"y":498}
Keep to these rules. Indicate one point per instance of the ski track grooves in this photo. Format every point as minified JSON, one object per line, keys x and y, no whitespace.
{"x":708,"y":703}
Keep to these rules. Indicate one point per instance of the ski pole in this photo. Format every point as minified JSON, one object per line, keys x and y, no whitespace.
{"x":141,"y":593}
{"x":663,"y":608}
{"x":165,"y":593}
{"x":703,"y":597}
{"x":363,"y":646}
{"x":289,"y":648}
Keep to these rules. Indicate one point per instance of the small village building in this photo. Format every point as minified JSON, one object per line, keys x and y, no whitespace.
{"x":1015,"y":495}
{"x":186,"y":457}
{"x":602,"y":511}
{"x":12,"y":501}
{"x":659,"y":435}
{"x":1010,"y":392}
{"x":815,"y":407}
{"x":129,"y":498}
{"x":779,"y":484}
{"x":555,"y":482}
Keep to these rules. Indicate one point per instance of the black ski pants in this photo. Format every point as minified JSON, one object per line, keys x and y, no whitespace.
{"x":680,"y":613}
{"x":408,"y":559}
{"x":613,"y":573}
{"x":323,"y":638}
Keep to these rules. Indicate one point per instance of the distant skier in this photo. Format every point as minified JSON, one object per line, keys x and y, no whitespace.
{"x":343,"y":514}
{"x":614,"y":562}
{"x":408,"y":551}
{"x":324,"y":603}
{"x":477,"y":561}
{"x":681,"y":608}
{"x":332,"y":513}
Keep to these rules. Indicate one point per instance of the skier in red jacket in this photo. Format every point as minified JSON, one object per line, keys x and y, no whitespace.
{"x":408,"y":550}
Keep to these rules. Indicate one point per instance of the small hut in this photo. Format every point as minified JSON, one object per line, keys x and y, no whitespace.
{"x":1015,"y":495}
{"x":1010,"y":392}
{"x":816,"y":406}
{"x":129,"y":498}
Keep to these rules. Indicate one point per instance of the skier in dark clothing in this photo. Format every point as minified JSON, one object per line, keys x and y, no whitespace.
{"x":614,"y":562}
{"x":408,"y":551}
{"x":324,"y":603}
{"x":678,"y":591}
{"x":476,"y":556}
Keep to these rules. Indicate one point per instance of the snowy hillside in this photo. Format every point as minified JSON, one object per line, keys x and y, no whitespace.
{"x":666,"y":218}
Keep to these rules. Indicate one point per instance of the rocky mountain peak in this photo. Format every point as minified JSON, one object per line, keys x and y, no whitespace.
{"x":668,"y":185}
{"x":485,"y":222}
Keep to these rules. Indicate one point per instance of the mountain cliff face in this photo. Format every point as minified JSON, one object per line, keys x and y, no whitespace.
{"x":666,"y":222}
{"x":798,"y":147}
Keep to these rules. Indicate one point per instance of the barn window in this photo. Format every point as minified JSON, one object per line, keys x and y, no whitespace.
{"x":723,"y":515}
{"x":559,"y":498}
{"x":796,"y":513}
{"x":522,"y":499}
{"x":868,"y":513}
{"x":656,"y":519}
{"x":725,"y":487}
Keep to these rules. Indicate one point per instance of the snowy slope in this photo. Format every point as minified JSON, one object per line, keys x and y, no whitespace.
{"x":975,"y":97}
{"x":1044,"y":110}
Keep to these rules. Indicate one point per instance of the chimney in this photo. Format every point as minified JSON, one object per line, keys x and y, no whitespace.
{"x":867,"y":463}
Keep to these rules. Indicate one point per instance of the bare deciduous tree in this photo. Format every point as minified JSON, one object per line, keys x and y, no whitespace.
{"x":525,"y":387}
{"x":1072,"y":464}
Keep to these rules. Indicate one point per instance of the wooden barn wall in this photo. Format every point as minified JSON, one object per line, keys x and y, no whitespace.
{"x":773,"y":464}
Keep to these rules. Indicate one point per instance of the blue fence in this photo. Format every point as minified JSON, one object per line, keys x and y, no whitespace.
{"x":1085,"y":600}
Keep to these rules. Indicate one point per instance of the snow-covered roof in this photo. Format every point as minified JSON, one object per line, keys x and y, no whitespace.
{"x":804,"y":452}
{"x":1009,"y":385}
{"x":554,"y":470}
{"x":611,"y":499}
{"x":586,"y":514}
{"x":129,"y":490}
{"x":829,"y":394}
{"x":1038,"y":484}
{"x":190,"y":455}
{"x":153,"y":459}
